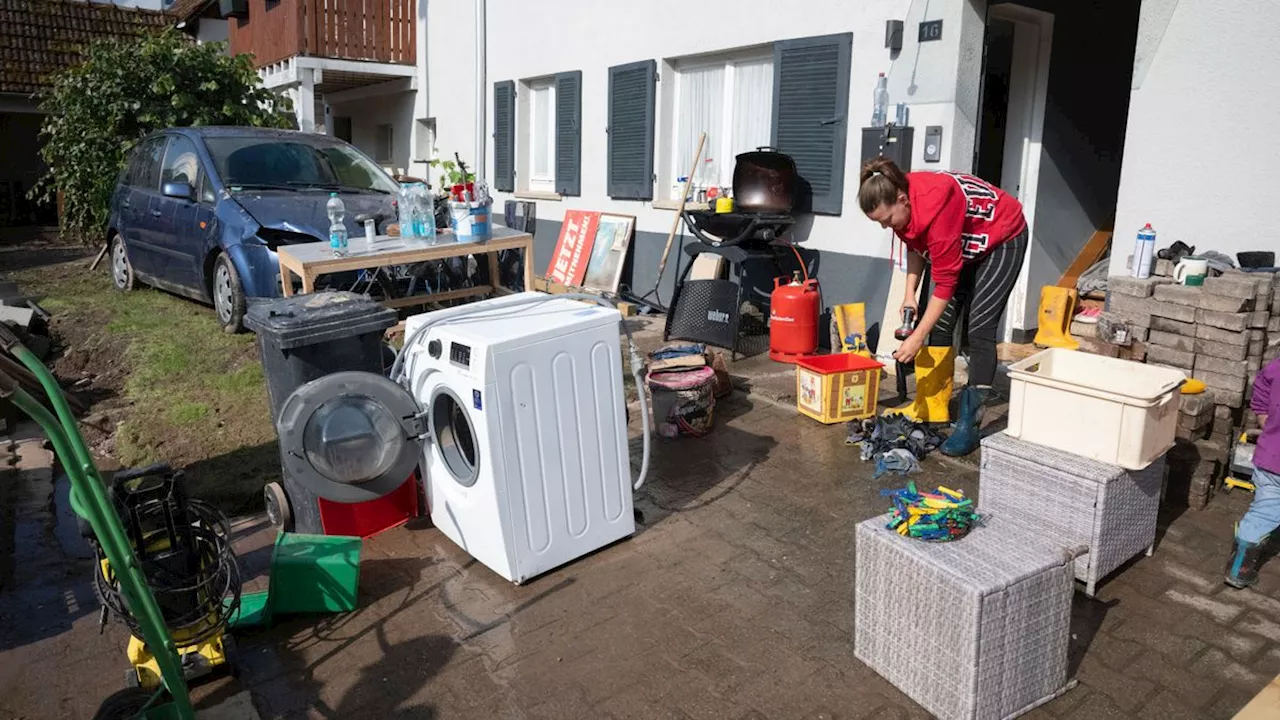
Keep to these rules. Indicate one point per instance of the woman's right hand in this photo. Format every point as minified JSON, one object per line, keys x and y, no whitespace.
{"x":909,"y":302}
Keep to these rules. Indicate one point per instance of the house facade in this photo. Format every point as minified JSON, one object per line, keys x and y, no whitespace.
{"x":1099,"y":115}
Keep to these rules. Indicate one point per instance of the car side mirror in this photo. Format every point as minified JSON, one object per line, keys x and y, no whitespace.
{"x":180,"y":190}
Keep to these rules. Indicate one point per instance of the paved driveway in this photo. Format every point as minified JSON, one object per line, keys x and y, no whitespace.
{"x":733,"y":601}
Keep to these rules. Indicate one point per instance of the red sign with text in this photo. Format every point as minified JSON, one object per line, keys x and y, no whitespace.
{"x":573,"y":250}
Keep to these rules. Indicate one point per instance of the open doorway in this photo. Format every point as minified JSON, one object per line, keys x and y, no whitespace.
{"x":1055,"y":101}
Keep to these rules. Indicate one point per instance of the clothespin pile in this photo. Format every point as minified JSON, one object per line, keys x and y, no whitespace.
{"x":940,"y":516}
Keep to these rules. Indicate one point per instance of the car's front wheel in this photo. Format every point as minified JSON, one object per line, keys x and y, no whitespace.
{"x":121,"y":269}
{"x":228,"y":295}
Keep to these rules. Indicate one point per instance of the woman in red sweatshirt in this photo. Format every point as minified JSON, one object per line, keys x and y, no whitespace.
{"x":974,"y":236}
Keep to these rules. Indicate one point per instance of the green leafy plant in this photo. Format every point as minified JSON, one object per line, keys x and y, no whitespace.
{"x":124,"y":90}
{"x":450,"y":175}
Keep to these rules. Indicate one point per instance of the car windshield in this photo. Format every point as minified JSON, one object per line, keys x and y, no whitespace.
{"x":295,"y":164}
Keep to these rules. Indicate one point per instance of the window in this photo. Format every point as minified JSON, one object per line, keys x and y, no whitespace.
{"x":145,"y":173}
{"x":731,"y":99}
{"x":310,"y":163}
{"x":542,"y":136}
{"x":342,"y":128}
{"x":181,"y":164}
{"x":385,"y":149}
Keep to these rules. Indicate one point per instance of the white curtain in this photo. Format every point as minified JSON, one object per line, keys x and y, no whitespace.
{"x":542,"y":133}
{"x":699,"y":108}
{"x":752,"y":110}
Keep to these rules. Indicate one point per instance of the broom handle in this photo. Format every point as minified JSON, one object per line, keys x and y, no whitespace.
{"x":675,"y":222}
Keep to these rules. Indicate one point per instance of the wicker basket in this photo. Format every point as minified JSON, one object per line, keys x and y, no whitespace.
{"x":972,"y":629}
{"x":1077,"y":500}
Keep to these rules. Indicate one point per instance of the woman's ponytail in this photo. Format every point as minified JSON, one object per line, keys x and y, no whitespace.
{"x":879,"y":183}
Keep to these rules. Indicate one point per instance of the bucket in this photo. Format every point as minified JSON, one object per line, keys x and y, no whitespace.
{"x":683,"y":401}
{"x":471,"y":221}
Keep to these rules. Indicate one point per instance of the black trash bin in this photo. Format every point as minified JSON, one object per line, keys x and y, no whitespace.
{"x":302,"y":338}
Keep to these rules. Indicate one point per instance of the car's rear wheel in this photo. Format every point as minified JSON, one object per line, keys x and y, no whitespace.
{"x":121,"y":269}
{"x":228,"y":295}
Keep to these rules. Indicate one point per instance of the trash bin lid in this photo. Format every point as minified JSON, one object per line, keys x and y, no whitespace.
{"x":351,"y":436}
{"x":317,"y":318}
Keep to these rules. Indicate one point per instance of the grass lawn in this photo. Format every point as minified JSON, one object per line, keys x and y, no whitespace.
{"x":165,"y":382}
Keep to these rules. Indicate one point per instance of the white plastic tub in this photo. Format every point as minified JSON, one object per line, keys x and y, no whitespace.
{"x":1115,"y":411}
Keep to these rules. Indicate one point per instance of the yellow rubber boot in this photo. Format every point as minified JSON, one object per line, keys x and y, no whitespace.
{"x":1057,"y":307}
{"x":935,"y":371}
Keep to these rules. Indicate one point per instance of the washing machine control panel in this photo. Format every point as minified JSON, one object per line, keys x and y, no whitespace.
{"x":460,"y":354}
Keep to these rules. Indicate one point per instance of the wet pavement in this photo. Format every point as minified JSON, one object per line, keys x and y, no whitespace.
{"x":733,"y":600}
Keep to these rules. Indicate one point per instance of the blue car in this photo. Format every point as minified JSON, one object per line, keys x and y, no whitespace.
{"x":200,"y":211}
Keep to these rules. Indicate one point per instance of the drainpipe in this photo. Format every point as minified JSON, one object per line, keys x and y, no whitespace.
{"x":481,"y":85}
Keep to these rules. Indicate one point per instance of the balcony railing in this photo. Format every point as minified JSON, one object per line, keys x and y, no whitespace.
{"x":370,"y":30}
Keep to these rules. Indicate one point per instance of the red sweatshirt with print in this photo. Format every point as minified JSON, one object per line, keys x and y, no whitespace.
{"x":955,"y":219}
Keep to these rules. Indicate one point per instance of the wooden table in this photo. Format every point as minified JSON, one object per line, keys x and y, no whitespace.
{"x":307,"y":261}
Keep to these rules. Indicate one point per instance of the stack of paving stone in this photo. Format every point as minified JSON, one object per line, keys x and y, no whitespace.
{"x":1221,"y":333}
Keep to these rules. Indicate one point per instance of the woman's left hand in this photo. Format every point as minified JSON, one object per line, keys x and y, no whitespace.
{"x":906,"y":352}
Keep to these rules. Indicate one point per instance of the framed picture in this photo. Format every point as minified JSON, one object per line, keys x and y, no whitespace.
{"x":609,"y":252}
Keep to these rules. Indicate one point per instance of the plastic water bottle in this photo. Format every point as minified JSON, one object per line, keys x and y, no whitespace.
{"x":1143,"y":250}
{"x":424,"y":215}
{"x":337,"y":228}
{"x":404,"y":211}
{"x":880,"y":111}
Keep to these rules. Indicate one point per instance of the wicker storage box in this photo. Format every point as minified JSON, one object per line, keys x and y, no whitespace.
{"x":1074,"y":500}
{"x":974,"y":629}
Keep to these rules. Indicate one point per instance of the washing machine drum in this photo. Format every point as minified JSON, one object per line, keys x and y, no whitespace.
{"x":455,"y":436}
{"x":351,"y":436}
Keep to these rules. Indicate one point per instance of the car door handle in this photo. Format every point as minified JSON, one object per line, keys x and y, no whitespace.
{"x":155,"y":213}
{"x":125,"y":204}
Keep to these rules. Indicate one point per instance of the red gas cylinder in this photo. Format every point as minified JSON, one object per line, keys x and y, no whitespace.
{"x":793,"y":319}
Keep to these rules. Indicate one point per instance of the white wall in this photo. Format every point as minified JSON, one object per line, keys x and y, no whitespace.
{"x":533,"y":39}
{"x":367,"y":114}
{"x":1200,"y":149}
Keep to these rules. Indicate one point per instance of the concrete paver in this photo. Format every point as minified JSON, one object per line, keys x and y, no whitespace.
{"x":733,"y":600}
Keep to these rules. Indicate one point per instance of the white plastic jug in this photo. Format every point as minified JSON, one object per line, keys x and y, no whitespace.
{"x":1191,"y":270}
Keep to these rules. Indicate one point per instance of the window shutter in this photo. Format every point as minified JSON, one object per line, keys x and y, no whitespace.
{"x":504,"y":136}
{"x":810,"y":112}
{"x":631,"y":103}
{"x":569,"y":133}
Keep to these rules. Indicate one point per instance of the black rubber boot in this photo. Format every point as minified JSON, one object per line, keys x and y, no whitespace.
{"x":1242,"y":567}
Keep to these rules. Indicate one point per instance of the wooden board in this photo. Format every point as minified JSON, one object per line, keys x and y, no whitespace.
{"x":1265,"y":705}
{"x":551,"y":287}
{"x":1092,"y":251}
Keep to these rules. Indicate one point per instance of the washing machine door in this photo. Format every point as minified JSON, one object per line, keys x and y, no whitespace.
{"x":455,"y":438}
{"x":351,"y":437}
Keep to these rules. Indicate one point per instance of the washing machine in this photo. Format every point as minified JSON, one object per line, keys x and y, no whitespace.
{"x":527,"y":464}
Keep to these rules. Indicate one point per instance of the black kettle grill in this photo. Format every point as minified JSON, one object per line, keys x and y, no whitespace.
{"x":765,"y":190}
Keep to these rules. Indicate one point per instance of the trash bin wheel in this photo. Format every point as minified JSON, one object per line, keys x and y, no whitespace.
{"x":124,"y":704}
{"x":277,"y":507}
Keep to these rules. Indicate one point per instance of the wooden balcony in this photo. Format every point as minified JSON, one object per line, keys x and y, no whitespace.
{"x":380,"y":31}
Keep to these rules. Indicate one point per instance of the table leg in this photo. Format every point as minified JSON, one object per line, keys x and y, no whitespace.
{"x":308,"y":282}
{"x":528,"y":266}
{"x":495,"y":278}
{"x":286,"y":281}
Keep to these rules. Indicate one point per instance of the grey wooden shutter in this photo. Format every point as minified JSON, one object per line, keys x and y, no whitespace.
{"x":504,"y":136}
{"x":810,"y":112}
{"x":631,"y":108}
{"x":569,"y":133}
